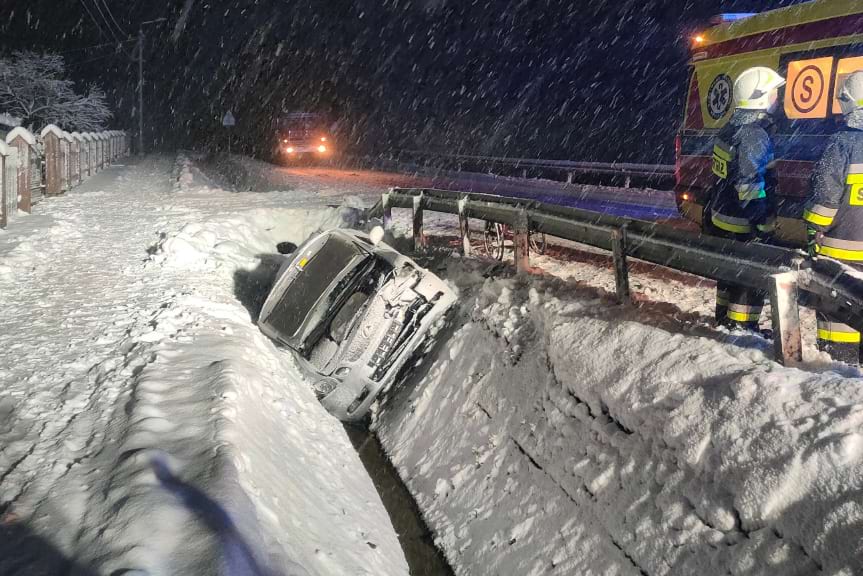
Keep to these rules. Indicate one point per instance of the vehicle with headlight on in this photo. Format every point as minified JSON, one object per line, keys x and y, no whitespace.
{"x":354,"y":312}
{"x":304,"y":136}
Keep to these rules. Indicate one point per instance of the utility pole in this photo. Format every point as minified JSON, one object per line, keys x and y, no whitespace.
{"x":141,"y":81}
{"x":141,"y":90}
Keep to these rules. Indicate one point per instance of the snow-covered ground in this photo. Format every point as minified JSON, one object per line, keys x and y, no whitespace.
{"x":556,"y":432}
{"x":146,"y":425}
{"x":559,"y":433}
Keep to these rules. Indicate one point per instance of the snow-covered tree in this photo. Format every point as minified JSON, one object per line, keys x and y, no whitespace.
{"x":34,"y":87}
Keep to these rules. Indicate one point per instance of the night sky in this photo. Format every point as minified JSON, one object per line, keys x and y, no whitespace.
{"x":544,"y":78}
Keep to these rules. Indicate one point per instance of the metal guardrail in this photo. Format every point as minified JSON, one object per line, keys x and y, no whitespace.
{"x":788,"y":275}
{"x":661,"y":175}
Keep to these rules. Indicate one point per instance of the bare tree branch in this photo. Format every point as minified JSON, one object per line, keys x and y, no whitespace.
{"x":34,"y":87}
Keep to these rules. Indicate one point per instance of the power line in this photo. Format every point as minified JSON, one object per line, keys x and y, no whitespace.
{"x":93,"y":18}
{"x":105,"y":20}
{"x":114,"y":20}
{"x":102,"y":45}
{"x":88,"y":60}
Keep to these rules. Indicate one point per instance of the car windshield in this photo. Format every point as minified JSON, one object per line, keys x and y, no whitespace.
{"x":297,"y":304}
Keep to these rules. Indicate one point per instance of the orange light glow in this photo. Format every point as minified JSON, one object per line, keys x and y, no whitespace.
{"x":322,"y":148}
{"x":323,"y":138}
{"x":699,"y":39}
{"x":290,"y":150}
{"x":685,"y":196}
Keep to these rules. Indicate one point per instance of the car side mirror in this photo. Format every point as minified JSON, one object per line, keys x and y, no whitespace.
{"x":286,"y":247}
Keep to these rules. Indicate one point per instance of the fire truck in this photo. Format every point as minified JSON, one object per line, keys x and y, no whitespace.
{"x":814,"y":45}
{"x":304,"y":136}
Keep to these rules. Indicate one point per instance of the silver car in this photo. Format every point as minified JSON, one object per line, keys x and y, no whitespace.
{"x":354,"y":312}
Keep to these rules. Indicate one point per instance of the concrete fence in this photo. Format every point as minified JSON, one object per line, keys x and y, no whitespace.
{"x":51,"y":163}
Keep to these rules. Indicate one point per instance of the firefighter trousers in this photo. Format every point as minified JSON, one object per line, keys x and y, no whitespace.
{"x":839,"y":340}
{"x":737,"y":306}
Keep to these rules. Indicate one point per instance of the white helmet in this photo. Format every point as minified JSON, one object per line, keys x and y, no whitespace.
{"x":851,"y":95}
{"x":756,"y":89}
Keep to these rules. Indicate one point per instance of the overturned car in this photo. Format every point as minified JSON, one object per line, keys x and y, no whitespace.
{"x":354,"y":311}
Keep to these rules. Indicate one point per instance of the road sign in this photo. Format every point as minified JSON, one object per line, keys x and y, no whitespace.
{"x":228,"y":120}
{"x":807,"y":91}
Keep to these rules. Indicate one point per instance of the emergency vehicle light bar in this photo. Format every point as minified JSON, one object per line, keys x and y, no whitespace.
{"x":730,"y":17}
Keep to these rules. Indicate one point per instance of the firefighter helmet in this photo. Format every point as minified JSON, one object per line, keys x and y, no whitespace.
{"x":851,"y":95}
{"x":756,"y":89}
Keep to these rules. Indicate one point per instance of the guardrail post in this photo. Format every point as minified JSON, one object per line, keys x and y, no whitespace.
{"x":464,"y":226}
{"x":628,"y":181}
{"x":419,"y":236}
{"x":521,"y":242}
{"x":388,"y":211}
{"x":621,"y":271}
{"x":569,"y":177}
{"x":787,"y":343}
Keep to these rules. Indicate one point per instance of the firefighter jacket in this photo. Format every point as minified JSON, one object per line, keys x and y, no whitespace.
{"x":743,"y":198}
{"x":835,"y":205}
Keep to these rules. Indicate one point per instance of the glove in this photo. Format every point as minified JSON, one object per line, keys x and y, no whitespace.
{"x":813,"y":236}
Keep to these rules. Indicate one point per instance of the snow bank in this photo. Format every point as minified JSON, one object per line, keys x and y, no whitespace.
{"x":560,"y":434}
{"x":19,"y":244}
{"x":280,"y":466}
{"x":183,"y":176}
{"x":241,"y":239}
{"x":146,"y":425}
{"x":223,"y":447}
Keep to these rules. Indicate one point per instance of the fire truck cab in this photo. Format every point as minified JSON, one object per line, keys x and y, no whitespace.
{"x":814,"y":45}
{"x":304,"y":136}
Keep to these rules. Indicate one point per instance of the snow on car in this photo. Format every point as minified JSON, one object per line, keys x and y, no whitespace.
{"x":354,"y":311}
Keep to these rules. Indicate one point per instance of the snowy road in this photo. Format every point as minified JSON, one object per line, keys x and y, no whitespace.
{"x":632,"y":202}
{"x":145,"y":423}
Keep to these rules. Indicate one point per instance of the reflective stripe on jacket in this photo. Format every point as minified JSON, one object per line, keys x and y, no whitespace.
{"x":835,"y":205}
{"x":742,"y":160}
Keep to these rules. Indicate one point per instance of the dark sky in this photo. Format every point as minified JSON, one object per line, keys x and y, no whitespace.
{"x":583,"y":80}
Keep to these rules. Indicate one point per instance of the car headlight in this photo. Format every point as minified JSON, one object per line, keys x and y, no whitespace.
{"x":322,"y":148}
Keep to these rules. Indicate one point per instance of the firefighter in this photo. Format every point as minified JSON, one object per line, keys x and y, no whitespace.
{"x":743,"y":199}
{"x":834,"y":211}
